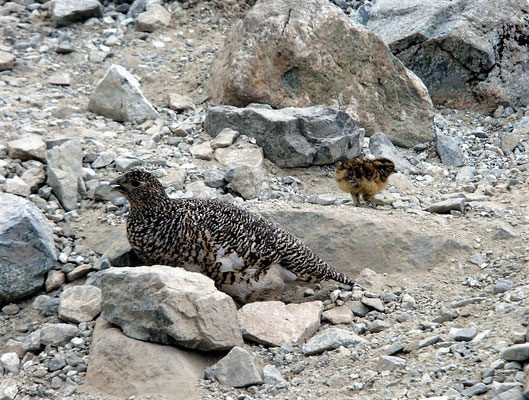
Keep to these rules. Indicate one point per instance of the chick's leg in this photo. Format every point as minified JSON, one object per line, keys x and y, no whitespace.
{"x":356,"y":199}
{"x":384,"y":202}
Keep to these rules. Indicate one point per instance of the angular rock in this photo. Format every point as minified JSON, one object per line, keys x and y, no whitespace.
{"x":275,"y":324}
{"x":123,"y":367}
{"x":54,"y":280}
{"x":463,"y":334}
{"x":445,"y":206}
{"x":358,"y":308}
{"x":64,"y":171}
{"x":299,"y":53}
{"x":64,"y":12}
{"x":503,"y":285}
{"x":78,"y":272}
{"x":34,"y":177}
{"x":104,"y":159}
{"x":338,"y":315}
{"x":202,"y":151}
{"x":245,"y":180}
{"x":32,"y":342}
{"x":453,"y":47}
{"x":380,"y":146}
{"x":118,"y":96}
{"x":7,"y":61}
{"x":504,"y":232}
{"x":57,"y":334}
{"x":11,"y":363}
{"x":390,"y":363}
{"x":225,"y":138}
{"x":178,"y":102}
{"x":27,"y":248}
{"x":170,"y":306}
{"x":28,"y":148}
{"x":214,"y":178}
{"x":154,"y":18}
{"x":518,"y":352}
{"x":8,"y":389}
{"x":475,"y":390}
{"x":329,"y":339}
{"x":378,"y":326}
{"x":60,"y":80}
{"x":237,"y":369}
{"x":292,"y":137}
{"x":18,"y":186}
{"x":380,"y":243}
{"x":448,"y":150}
{"x":80,"y":303}
{"x":373,"y":302}
{"x":242,"y":153}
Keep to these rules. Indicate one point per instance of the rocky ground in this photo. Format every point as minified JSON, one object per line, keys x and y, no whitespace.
{"x":431,"y":323}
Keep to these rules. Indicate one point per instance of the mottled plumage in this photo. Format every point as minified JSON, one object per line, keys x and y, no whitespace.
{"x":247,"y":256}
{"x":364,"y":177}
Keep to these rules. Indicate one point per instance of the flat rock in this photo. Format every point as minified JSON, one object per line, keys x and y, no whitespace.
{"x":170,"y":305}
{"x":330,"y":339}
{"x":7,"y":61}
{"x":27,"y":248}
{"x":18,"y":186}
{"x":225,"y":138}
{"x":237,"y":369}
{"x":57,"y":334}
{"x":54,"y":280}
{"x":291,"y":137}
{"x":275,"y":324}
{"x":124,"y":367}
{"x":80,"y":303}
{"x":358,"y":308}
{"x":64,"y":170}
{"x":64,"y":12}
{"x":273,"y":378}
{"x":475,"y":390}
{"x":445,"y":206}
{"x":242,"y":153}
{"x":277,"y":55}
{"x":179,"y":102}
{"x":60,"y":79}
{"x":28,"y":148}
{"x":463,"y":334}
{"x":338,"y":315}
{"x":373,"y":302}
{"x":202,"y":151}
{"x":517,"y":352}
{"x":118,"y":96}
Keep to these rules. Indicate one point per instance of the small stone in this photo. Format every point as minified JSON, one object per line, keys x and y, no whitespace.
{"x":79,"y":272}
{"x":338,"y":315}
{"x":104,"y":159}
{"x":390,"y":363}
{"x":246,"y":180}
{"x":358,"y":308}
{"x":322,"y":199}
{"x":330,"y":339}
{"x":7,"y":61}
{"x":32,"y":342}
{"x":11,"y":363}
{"x":80,"y":303}
{"x":60,"y":80}
{"x":11,"y":309}
{"x":509,"y":141}
{"x":202,"y":151}
{"x":448,"y":150}
{"x":58,"y":362}
{"x":374,"y":303}
{"x":446,"y":206}
{"x":463,"y":334}
{"x":57,"y":334}
{"x":272,"y":377}
{"x":56,"y":383}
{"x":378,"y":326}
{"x":474,"y":390}
{"x":518,"y":352}
{"x":55,"y":280}
{"x":16,"y":185}
{"x":214,"y":178}
{"x":64,"y":12}
{"x":154,"y":18}
{"x":505,"y":232}
{"x":429,"y":341}
{"x":179,"y":102}
{"x":8,"y":389}
{"x":503,"y":285}
{"x":28,"y":148}
{"x":225,"y":138}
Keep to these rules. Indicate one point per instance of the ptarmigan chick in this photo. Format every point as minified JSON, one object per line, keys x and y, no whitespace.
{"x":364,"y":177}
{"x":247,"y":256}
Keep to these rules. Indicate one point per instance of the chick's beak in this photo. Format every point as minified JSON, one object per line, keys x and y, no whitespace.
{"x":116,"y":186}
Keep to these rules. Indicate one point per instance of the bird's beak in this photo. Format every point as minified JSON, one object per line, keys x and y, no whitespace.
{"x":116,"y":186}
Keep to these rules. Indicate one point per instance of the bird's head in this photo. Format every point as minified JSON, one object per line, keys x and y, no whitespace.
{"x":139,"y":186}
{"x":386,"y":165}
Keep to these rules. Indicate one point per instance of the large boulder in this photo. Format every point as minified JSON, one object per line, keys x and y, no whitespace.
{"x":169,"y":305}
{"x":292,"y":137}
{"x":124,"y":367}
{"x":351,"y":239}
{"x":27,"y":248}
{"x":118,"y":96}
{"x":470,"y":54}
{"x":306,"y":52}
{"x":64,"y":170}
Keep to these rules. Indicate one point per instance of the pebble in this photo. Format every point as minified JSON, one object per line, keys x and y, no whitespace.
{"x":463,"y":334}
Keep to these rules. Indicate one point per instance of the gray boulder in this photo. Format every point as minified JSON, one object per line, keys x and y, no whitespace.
{"x":470,"y":54}
{"x":27,"y":248}
{"x":64,"y":12}
{"x":64,"y":170}
{"x":123,"y":367}
{"x":169,"y":305}
{"x":298,"y":53}
{"x":448,"y":150}
{"x":118,"y":96}
{"x":292,"y":137}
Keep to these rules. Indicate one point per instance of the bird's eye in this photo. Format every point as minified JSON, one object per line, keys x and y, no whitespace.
{"x":135,"y":183}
